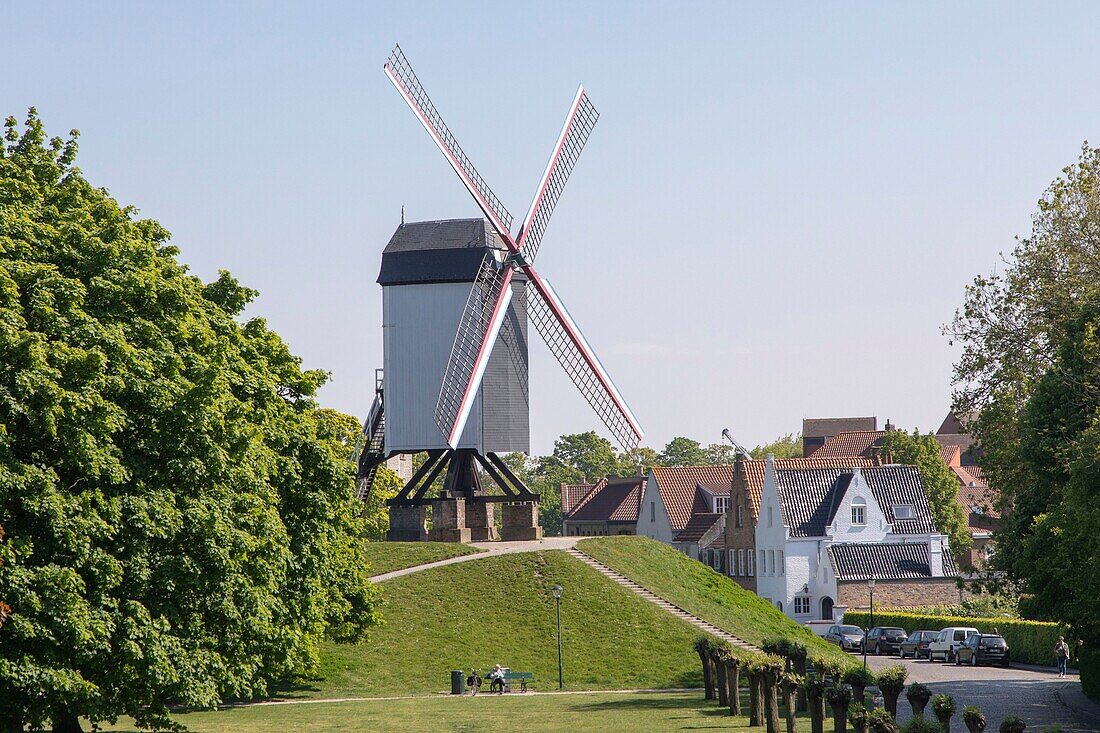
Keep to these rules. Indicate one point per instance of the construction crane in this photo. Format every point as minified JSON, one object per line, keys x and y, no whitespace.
{"x":736,"y":446}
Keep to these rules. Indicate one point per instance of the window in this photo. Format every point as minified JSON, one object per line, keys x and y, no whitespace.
{"x":732,"y":563}
{"x":762,"y":566}
{"x":769,"y":515}
{"x":741,"y":562}
{"x":750,"y":557}
{"x":653,"y":511}
{"x":721,"y":504}
{"x":859,"y":511}
{"x":903,"y":511}
{"x":782,"y":564}
{"x":801,"y":604}
{"x":779,"y":605}
{"x":740,"y":515}
{"x":771,"y":561}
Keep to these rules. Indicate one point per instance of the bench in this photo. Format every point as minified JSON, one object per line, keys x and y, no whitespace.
{"x":523,"y":677}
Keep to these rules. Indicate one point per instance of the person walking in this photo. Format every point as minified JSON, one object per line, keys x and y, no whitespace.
{"x":1061,"y":651}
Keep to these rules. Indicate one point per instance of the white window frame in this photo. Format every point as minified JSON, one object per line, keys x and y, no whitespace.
{"x":750,"y":562}
{"x":906,"y":511}
{"x":859,"y":512}
{"x":721,"y":504}
{"x":770,"y":518}
{"x":782,"y":564}
{"x":801,"y":605}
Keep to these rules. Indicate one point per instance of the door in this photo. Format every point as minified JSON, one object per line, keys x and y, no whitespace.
{"x":826,"y":609}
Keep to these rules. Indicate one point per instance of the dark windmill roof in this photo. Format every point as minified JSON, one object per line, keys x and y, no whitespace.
{"x":886,"y":561}
{"x":810,"y":497}
{"x":450,"y":250}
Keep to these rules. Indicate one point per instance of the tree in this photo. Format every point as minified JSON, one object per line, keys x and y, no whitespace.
{"x":787,"y":446}
{"x":717,"y":454}
{"x":940,"y":484}
{"x":683,"y":452}
{"x":1014,"y":330}
{"x":587,"y":452}
{"x":181,"y":514}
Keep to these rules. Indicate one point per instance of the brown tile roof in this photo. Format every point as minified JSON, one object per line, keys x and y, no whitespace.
{"x":678,"y":488}
{"x":966,"y":443}
{"x":975,"y":495}
{"x":752,"y":471}
{"x":571,"y":494}
{"x":824,"y":427}
{"x":697,"y":526}
{"x":612,"y":500}
{"x":856,"y":443}
{"x":951,"y":455}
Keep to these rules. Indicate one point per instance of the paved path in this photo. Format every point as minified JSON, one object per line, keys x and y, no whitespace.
{"x":1036,"y":694}
{"x":491,"y":549}
{"x":661,"y":602}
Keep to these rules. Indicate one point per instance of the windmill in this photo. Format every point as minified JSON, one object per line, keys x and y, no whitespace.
{"x":462,"y":398}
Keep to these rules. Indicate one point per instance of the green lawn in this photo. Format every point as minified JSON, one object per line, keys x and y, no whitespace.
{"x":500,"y":610}
{"x":595,"y":713}
{"x":697,"y":588}
{"x":387,"y":556}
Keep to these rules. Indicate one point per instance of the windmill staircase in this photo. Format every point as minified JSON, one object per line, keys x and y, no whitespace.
{"x":370,"y":448}
{"x":661,"y":602}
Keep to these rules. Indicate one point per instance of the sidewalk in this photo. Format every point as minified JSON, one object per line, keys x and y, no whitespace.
{"x":490,"y":549}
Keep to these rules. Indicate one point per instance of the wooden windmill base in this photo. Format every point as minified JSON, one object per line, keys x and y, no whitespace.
{"x":463,"y":512}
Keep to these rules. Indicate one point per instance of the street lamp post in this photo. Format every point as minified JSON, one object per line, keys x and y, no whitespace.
{"x":558,"y":590}
{"x":871,"y":589}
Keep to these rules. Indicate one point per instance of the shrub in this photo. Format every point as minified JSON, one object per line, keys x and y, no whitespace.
{"x":893,"y":677}
{"x":882,"y":722}
{"x":1012,"y":724}
{"x":974,"y":718}
{"x":918,"y":696}
{"x":1031,"y":642}
{"x":859,"y":717}
{"x":943,"y":706}
{"x":778,"y":645}
{"x":918,"y":724}
{"x":1088,"y":661}
{"x":840,"y":695}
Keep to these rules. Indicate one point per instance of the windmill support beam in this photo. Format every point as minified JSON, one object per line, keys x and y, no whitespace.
{"x":462,"y":511}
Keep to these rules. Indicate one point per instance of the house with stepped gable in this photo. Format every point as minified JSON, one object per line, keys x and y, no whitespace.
{"x":823,"y":532}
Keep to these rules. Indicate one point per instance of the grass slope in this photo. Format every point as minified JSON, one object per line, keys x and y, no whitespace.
{"x":594,"y":713}
{"x":388,"y":556}
{"x":500,"y":609}
{"x":697,"y":588}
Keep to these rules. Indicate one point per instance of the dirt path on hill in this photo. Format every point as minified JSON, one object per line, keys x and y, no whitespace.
{"x":491,"y":549}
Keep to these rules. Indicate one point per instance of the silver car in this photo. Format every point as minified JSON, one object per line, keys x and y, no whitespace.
{"x":848,"y":638}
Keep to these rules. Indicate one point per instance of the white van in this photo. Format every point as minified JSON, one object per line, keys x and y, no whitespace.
{"x":820,"y":627}
{"x":948,"y":641}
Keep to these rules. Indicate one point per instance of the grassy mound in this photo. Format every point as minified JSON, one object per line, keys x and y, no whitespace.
{"x":385,"y":557}
{"x":500,"y":610}
{"x":697,"y":588}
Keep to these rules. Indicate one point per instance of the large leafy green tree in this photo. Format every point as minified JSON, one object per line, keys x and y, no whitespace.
{"x":786,"y":446}
{"x":940,"y":484}
{"x":681,"y":451}
{"x":1014,"y":329}
{"x":179,"y":511}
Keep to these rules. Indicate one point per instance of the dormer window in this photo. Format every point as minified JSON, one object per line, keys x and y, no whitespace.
{"x":859,"y":511}
{"x":721,"y":504}
{"x":903,"y":511}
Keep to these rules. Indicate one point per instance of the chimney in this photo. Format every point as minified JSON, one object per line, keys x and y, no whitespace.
{"x":890,"y":427}
{"x":935,"y":556}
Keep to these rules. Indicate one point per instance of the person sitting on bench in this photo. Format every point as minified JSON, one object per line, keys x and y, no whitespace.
{"x":496,"y":679}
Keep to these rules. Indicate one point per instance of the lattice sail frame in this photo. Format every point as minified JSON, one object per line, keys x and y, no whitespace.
{"x":482,"y":318}
{"x":477,"y":331}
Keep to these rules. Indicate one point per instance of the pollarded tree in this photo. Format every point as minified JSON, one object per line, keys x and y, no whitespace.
{"x":181,"y":514}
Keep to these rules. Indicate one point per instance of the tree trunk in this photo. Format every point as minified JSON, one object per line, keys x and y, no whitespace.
{"x":945,"y":722}
{"x":800,"y":669}
{"x":708,"y":677}
{"x":66,"y":722}
{"x":890,"y":701}
{"x":918,"y":708}
{"x":761,"y":700}
{"x":858,"y":692}
{"x":755,"y":713}
{"x":733,"y":673}
{"x":789,"y":704}
{"x":771,"y":701}
{"x":817,"y":714}
{"x":722,"y":683}
{"x":840,"y":717}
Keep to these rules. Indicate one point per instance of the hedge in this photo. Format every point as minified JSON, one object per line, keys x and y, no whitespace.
{"x":1089,"y":662}
{"x":1030,"y":642}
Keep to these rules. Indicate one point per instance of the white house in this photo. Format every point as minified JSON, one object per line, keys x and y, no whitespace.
{"x":823,"y":532}
{"x":675,"y":494}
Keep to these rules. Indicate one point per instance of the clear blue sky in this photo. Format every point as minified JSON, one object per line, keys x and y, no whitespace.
{"x":775,"y":215}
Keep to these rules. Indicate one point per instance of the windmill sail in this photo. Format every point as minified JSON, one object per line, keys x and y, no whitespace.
{"x":482,"y":318}
{"x":574,"y":134}
{"x":571,"y":349}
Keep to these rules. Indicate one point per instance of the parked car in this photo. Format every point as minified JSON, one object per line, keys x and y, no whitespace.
{"x":916,"y":645}
{"x":848,"y":638}
{"x":885,"y":639}
{"x":948,"y":641}
{"x":819,"y":627}
{"x":983,"y":649}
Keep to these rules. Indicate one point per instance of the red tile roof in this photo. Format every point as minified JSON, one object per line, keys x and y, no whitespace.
{"x":678,"y":488}
{"x":697,"y":526}
{"x":975,"y":495}
{"x":855,"y":443}
{"x":753,"y":472}
{"x":612,"y":500}
{"x":951,"y":455}
{"x":571,"y":494}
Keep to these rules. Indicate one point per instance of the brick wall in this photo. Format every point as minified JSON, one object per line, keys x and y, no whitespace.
{"x":743,"y":537}
{"x":898,"y":593}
